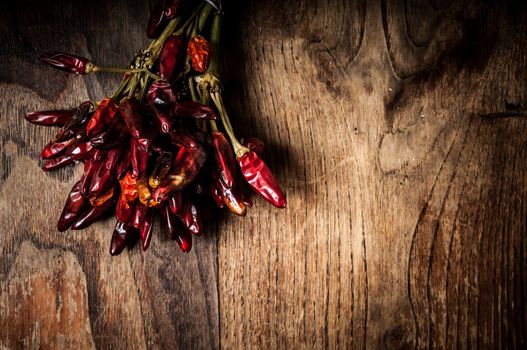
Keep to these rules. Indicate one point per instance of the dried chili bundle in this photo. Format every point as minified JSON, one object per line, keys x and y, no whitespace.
{"x":163,"y":142}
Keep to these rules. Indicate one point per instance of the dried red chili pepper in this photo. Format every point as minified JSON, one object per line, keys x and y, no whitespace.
{"x":199,"y":52}
{"x":76,"y":125}
{"x":259,"y":176}
{"x":171,"y":8}
{"x":228,"y":196}
{"x":157,"y":20}
{"x":216,"y":195}
{"x":130,"y":109}
{"x":72,"y":208}
{"x":105,"y":176}
{"x":94,"y":213}
{"x":161,"y":169}
{"x":162,"y":99}
{"x":184,"y":240}
{"x":175,"y":202}
{"x":57,"y":163}
{"x":67,"y":62}
{"x":174,"y":229}
{"x":191,"y":218}
{"x":121,"y":235}
{"x":255,"y":145}
{"x":139,"y":215}
{"x":54,"y":149}
{"x":91,"y":166}
{"x":139,"y":149}
{"x":145,"y":193}
{"x":171,"y":57}
{"x":145,"y":230}
{"x":224,"y":156}
{"x":104,"y":113}
{"x":115,"y":134}
{"x":124,"y":166}
{"x":193,"y":109}
{"x":50,"y":118}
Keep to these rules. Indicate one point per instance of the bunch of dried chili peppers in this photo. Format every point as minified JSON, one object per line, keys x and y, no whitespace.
{"x":163,"y":143}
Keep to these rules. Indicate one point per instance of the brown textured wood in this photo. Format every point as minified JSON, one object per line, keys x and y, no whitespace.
{"x":398,"y":131}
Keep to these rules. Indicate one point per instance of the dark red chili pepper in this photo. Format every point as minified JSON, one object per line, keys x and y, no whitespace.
{"x":216,"y":195}
{"x":224,"y":156}
{"x":129,"y":109}
{"x":124,"y":166}
{"x":199,"y":52}
{"x":91,"y":166}
{"x":171,"y":8}
{"x":228,"y":196}
{"x":145,"y":193}
{"x":73,"y":207}
{"x":124,"y":211}
{"x":162,"y":99}
{"x":55,"y":149}
{"x":161,"y":169}
{"x":145,"y":230}
{"x":114,"y":134}
{"x":95,"y":213}
{"x":259,"y":176}
{"x":103,"y":115}
{"x":194,"y":109}
{"x":57,"y":163}
{"x":175,"y":202}
{"x":139,"y":149}
{"x":76,"y":125}
{"x":186,"y":167}
{"x":78,"y":151}
{"x":105,"y":176}
{"x":157,"y":20}
{"x":49,"y":118}
{"x":139,"y":215}
{"x":174,"y":229}
{"x":121,"y":235}
{"x":191,"y":218}
{"x":171,"y":56}
{"x":67,"y":62}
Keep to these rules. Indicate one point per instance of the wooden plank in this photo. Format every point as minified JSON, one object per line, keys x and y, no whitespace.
{"x":406,"y":220}
{"x":64,"y":290}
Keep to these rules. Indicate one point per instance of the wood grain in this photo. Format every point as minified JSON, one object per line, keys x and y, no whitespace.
{"x":398,"y":131}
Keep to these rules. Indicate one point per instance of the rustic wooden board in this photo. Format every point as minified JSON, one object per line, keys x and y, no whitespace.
{"x":398,"y":131}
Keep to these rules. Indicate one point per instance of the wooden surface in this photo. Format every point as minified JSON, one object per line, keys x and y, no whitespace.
{"x":398,"y":130}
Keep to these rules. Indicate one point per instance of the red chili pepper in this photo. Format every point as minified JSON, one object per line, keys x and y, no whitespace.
{"x":103,"y":115}
{"x":129,"y":109}
{"x":161,"y":169}
{"x":171,"y":56}
{"x":171,"y":8}
{"x":216,"y":195}
{"x":124,"y":166}
{"x":121,"y":235}
{"x":175,"y":202}
{"x":193,"y":109}
{"x":114,"y":134}
{"x":255,"y":145}
{"x":54,"y":149}
{"x":91,"y":166}
{"x":95,"y":213}
{"x":145,"y":230}
{"x":139,"y":149}
{"x":99,"y":200}
{"x":224,"y":157}
{"x":50,"y":118}
{"x":73,"y":207}
{"x":139,"y":215}
{"x":67,"y":62}
{"x":199,"y":52}
{"x":174,"y":229}
{"x":228,"y":196}
{"x":75,"y":126}
{"x":191,"y":218}
{"x":157,"y":20}
{"x":162,"y":99}
{"x":57,"y":163}
{"x":105,"y":176}
{"x":261,"y":179}
{"x":77,"y":151}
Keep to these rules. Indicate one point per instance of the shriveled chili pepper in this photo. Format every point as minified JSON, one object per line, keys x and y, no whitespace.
{"x":157,"y":20}
{"x":57,"y":163}
{"x":174,"y":229}
{"x":228,"y":196}
{"x":115,"y":133}
{"x":162,"y":99}
{"x":224,"y":156}
{"x":145,"y":193}
{"x":76,"y":125}
{"x":94,"y":214}
{"x":124,"y":211}
{"x":49,"y":118}
{"x":161,"y":169}
{"x":77,"y":151}
{"x":103,"y":115}
{"x":139,"y":215}
{"x":73,"y":207}
{"x":175,"y":202}
{"x":199,"y":51}
{"x":216,"y":195}
{"x":120,"y":237}
{"x":67,"y":62}
{"x":190,"y":217}
{"x":171,"y":57}
{"x":124,"y":166}
{"x":91,"y":166}
{"x":145,"y":230}
{"x":194,"y":109}
{"x":172,"y":7}
{"x":259,"y":176}
{"x":130,"y":109}
{"x":54,"y":149}
{"x":97,"y":201}
{"x":184,"y":240}
{"x":105,"y":178}
{"x":139,"y":149}
{"x":186,"y":167}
